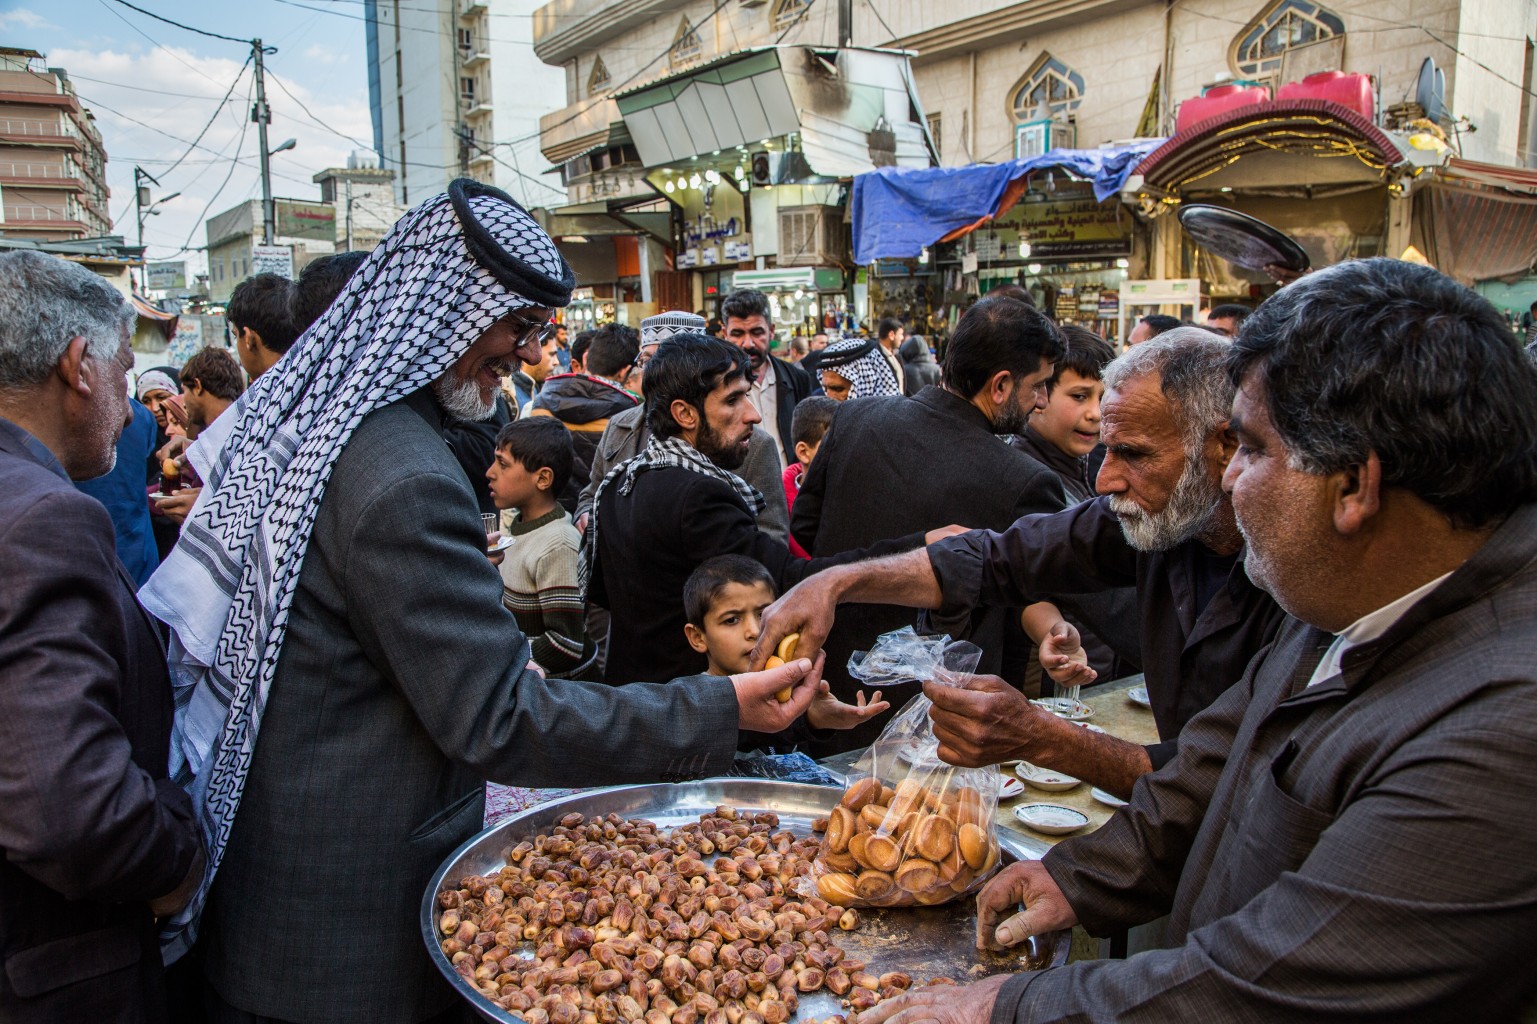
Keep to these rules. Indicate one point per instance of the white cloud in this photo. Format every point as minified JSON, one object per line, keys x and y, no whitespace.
{"x":319,"y":54}
{"x":23,"y":18}
{"x":175,"y":92}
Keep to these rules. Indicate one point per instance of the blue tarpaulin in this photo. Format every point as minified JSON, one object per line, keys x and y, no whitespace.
{"x":897,"y":211}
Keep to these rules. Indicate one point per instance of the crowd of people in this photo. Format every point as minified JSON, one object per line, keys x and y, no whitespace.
{"x":409,"y":539}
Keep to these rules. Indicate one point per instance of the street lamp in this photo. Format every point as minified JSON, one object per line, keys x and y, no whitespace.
{"x":143,"y":207}
{"x":269,"y":216}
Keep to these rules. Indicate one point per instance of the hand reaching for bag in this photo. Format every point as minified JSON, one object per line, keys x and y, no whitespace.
{"x":1063,"y":658}
{"x":828,"y":712}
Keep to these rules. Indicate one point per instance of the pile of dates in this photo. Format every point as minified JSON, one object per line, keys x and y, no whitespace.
{"x":703,"y":924}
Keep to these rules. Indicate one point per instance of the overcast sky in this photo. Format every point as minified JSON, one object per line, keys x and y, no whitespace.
{"x":153,"y":87}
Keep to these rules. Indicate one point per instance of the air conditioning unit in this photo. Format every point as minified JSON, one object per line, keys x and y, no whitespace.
{"x":763,"y":166}
{"x":1036,"y":137}
{"x":811,"y":236}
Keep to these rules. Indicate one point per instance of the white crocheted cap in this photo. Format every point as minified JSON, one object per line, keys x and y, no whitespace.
{"x":656,"y":329}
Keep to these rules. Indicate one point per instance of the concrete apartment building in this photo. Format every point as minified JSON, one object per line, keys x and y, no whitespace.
{"x":455,"y":88}
{"x":363,"y":194}
{"x":52,"y":162}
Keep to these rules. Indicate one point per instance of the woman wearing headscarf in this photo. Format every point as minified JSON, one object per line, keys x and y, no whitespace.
{"x":855,"y":368}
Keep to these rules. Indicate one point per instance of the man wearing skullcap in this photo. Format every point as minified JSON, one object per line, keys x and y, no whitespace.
{"x":331,"y":597}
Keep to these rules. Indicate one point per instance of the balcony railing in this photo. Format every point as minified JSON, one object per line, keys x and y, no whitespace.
{"x":42,"y":129}
{"x":57,"y":172}
{"x":39,"y":213}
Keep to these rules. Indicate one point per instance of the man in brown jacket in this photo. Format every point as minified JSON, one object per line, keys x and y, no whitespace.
{"x":1347,"y":833}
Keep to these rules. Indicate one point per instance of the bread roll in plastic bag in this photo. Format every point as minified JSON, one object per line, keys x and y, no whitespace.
{"x":910,"y":829}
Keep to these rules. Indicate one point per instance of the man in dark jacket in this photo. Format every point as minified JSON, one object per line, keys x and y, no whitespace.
{"x":585,"y":402}
{"x":889,"y":466}
{"x":679,"y":503}
{"x":1346,"y":834}
{"x":95,"y":842}
{"x":776,"y":386}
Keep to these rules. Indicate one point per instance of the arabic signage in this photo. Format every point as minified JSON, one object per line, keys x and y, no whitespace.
{"x":315,"y":221}
{"x":165,"y":276}
{"x":713,"y":227}
{"x":272,"y":259}
{"x":1066,"y":224}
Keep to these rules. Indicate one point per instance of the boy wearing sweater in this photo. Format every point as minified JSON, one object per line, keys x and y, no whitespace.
{"x":539,"y":572}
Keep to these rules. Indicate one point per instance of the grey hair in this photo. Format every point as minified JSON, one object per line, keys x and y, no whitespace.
{"x":1191,"y":364}
{"x":45,"y":303}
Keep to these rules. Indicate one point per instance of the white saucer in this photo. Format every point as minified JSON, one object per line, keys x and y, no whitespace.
{"x":500,"y":546}
{"x":1138,"y":695}
{"x":1051,"y":819}
{"x":1009,"y":788}
{"x":1108,"y":799}
{"x":1044,"y":778}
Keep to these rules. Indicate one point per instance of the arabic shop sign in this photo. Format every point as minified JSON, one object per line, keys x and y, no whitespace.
{"x":712,"y":229}
{"x":1068,"y":223}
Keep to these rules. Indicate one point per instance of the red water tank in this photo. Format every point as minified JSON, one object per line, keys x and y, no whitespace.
{"x":1353,"y":91}
{"x":1219,"y":99}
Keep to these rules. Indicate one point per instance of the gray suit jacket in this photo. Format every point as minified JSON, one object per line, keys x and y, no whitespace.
{"x":402,"y":685}
{"x":627,"y":433}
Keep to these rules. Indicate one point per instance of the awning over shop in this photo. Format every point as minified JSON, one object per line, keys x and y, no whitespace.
{"x":896,"y":212}
{"x":166,"y":322}
{"x":1477,"y":222}
{"x":1307,"y":142}
{"x":852,"y":109}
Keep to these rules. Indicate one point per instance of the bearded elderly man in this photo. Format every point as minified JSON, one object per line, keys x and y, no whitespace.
{"x":1161,"y":523}
{"x":1347,"y":833}
{"x":347,"y":676}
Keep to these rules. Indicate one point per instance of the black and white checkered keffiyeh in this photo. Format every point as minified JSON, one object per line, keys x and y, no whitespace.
{"x":414,"y":306}
{"x":659,"y":453}
{"x":860,"y":362}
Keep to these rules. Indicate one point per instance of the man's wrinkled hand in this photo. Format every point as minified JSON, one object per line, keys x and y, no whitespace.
{"x":806,"y":608}
{"x":759,"y":709}
{"x":1000,"y":922}
{"x":939,"y":1004}
{"x":985,"y":721}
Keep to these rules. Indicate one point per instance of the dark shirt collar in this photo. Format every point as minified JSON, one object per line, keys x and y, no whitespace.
{"x":23,"y":442}
{"x":950,"y":404}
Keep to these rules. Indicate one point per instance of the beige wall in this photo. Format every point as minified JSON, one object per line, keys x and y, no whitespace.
{"x":981,"y":48}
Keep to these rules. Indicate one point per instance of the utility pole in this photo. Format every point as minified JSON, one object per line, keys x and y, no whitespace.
{"x":141,"y":197}
{"x":262,"y":115}
{"x":845,"y":23}
{"x":349,"y":214}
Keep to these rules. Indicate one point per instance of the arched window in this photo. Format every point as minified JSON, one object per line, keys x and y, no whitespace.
{"x":685,"y":45}
{"x":788,"y":12}
{"x":598,"y":80}
{"x":1282,"y":26}
{"x":1049,"y":89}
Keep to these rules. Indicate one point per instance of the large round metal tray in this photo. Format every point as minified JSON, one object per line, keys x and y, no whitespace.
{"x":925,"y":942}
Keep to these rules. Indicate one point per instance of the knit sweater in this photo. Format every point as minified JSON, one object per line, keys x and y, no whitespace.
{"x":540,"y":588}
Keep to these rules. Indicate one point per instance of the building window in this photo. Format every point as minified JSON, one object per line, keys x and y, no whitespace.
{"x":467,"y":89}
{"x":685,"y":45}
{"x":599,"y":79}
{"x":788,"y":12}
{"x":936,"y":133}
{"x":1049,"y":89}
{"x":1284,"y":25}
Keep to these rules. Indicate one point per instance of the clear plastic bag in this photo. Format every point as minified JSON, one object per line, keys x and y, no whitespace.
{"x":910,"y":829}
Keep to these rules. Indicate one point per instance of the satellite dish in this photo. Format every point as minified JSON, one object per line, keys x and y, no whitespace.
{"x":1430,"y":91}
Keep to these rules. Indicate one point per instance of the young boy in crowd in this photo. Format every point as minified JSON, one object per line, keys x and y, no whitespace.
{"x":808,"y":426}
{"x":1061,"y":435}
{"x":724,"y":599}
{"x":539,"y":572}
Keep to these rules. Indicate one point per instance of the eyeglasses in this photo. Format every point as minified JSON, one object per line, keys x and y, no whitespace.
{"x":528,"y":330}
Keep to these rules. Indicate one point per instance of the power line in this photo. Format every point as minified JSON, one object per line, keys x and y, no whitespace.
{"x":217,"y":111}
{"x":157,"y":44}
{"x":187,"y":28}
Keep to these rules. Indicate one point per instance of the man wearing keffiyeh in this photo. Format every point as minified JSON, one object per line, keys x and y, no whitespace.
{"x":346,"y":677}
{"x":657,"y":516}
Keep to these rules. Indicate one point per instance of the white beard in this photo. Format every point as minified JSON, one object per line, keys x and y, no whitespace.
{"x":462,"y":398}
{"x":1187,"y":513}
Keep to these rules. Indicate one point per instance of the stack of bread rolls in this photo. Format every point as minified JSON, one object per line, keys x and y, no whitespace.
{"x":904,"y":845}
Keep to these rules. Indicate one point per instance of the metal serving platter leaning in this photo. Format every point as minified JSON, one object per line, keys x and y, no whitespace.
{"x":926,"y":942}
